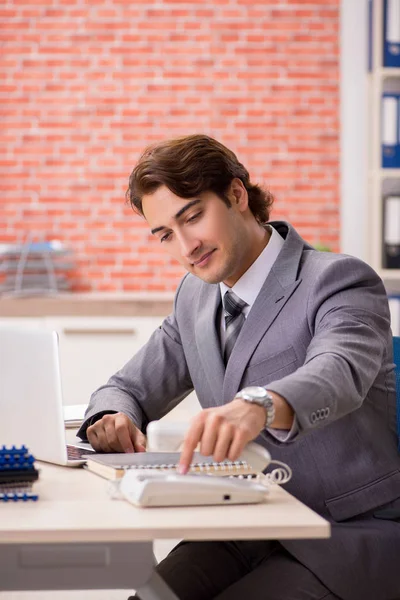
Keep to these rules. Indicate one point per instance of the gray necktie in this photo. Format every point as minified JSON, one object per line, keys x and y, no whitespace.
{"x":234,"y":319}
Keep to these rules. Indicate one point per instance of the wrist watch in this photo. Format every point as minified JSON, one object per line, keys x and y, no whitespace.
{"x":258,"y":395}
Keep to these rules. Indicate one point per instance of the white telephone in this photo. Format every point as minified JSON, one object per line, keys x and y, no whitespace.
{"x":171,"y":489}
{"x":149,"y":488}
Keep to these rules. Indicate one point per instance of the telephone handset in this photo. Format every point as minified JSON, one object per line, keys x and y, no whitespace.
{"x":150,"y":488}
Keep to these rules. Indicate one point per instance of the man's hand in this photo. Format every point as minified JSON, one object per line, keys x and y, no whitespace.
{"x":116,"y":433}
{"x":222,"y":432}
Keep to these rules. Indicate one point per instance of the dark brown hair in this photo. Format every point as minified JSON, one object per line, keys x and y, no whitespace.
{"x":189,"y":166}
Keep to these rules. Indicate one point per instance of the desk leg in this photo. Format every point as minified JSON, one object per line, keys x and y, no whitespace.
{"x":156,"y":589}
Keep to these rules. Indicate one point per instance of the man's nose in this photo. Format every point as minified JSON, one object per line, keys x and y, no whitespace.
{"x":188,"y":246}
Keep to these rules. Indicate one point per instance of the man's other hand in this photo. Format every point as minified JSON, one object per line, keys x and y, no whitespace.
{"x":222,"y":432}
{"x":116,"y":433}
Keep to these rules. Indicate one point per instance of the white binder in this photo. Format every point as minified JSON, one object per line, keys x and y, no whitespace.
{"x":391,"y":236}
{"x":394,"y":307}
{"x":393,"y":22}
{"x":390,"y":106}
{"x":391,"y":33}
{"x":390,"y":135}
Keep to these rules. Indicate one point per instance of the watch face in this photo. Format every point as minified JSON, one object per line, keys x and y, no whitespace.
{"x":255,"y":391}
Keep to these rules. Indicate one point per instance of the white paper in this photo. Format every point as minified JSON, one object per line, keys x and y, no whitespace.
{"x":74,"y":412}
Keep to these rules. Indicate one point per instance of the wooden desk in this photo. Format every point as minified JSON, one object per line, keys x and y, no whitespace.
{"x":77,"y":537}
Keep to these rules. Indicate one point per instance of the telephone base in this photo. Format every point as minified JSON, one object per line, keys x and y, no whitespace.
{"x":171,"y":489}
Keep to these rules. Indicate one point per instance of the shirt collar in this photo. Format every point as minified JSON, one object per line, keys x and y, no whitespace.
{"x":249,"y":285}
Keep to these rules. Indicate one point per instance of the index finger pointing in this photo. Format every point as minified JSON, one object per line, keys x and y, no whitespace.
{"x":192,"y":438}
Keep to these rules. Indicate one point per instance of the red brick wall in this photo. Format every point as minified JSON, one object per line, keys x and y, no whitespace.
{"x":86,"y":85}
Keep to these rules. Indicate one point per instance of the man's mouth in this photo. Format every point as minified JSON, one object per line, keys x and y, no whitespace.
{"x":203,"y":259}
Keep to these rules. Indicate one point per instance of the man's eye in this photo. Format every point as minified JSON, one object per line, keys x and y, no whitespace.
{"x":165,"y":237}
{"x":194,"y":217}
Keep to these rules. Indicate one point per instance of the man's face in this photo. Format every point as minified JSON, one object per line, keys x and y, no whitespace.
{"x":203,"y":234}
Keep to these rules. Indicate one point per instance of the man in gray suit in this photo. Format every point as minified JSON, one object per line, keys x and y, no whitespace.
{"x":283,"y":344}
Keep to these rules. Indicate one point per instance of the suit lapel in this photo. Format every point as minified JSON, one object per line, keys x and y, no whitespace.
{"x":278,"y":287}
{"x":266,"y":308}
{"x":208,"y":339}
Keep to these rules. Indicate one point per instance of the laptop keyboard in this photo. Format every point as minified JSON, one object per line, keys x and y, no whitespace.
{"x":76,"y":453}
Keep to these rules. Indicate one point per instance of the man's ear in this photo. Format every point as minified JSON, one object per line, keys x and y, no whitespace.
{"x":239,"y":195}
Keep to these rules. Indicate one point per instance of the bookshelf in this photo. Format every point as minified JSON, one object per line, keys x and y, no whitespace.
{"x":382,"y":182}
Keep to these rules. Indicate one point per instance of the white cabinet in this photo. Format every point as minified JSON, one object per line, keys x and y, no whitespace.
{"x":93,"y":348}
{"x":21,"y":322}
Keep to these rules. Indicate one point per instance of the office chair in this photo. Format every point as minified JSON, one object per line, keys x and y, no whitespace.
{"x":396,"y":360}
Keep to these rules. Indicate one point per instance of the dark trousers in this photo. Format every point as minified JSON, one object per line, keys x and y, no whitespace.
{"x":241,"y":570}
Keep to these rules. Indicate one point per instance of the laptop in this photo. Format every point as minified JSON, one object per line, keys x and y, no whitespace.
{"x":31,"y":407}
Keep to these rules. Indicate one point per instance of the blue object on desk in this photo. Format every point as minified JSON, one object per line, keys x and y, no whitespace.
{"x":396,"y":359}
{"x":17,"y":474}
{"x":391,"y":33}
{"x":16,"y":496}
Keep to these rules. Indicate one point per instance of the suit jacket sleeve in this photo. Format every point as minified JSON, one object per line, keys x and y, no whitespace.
{"x":154,"y":381}
{"x":349,"y":322}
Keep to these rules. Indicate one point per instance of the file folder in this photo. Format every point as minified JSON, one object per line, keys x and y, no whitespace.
{"x":391,"y":33}
{"x":390,"y":139}
{"x":391,"y":233}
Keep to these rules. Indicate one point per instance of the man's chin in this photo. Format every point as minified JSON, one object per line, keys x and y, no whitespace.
{"x":211,"y":278}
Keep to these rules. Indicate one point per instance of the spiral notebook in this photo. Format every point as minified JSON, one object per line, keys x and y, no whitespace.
{"x":113,"y":466}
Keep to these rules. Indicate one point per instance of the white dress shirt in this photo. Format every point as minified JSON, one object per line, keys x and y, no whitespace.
{"x":247,"y":288}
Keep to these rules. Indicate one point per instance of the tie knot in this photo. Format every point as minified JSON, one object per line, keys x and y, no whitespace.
{"x":233,"y":305}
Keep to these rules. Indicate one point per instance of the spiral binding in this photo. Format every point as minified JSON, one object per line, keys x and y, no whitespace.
{"x":14,"y":457}
{"x":201,"y":467}
{"x":15,"y":496}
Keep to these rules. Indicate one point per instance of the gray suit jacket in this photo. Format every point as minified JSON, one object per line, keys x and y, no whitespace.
{"x":319,"y":335}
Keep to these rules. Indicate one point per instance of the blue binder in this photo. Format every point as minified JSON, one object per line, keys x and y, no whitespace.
{"x":391,"y":33}
{"x":390,"y":141}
